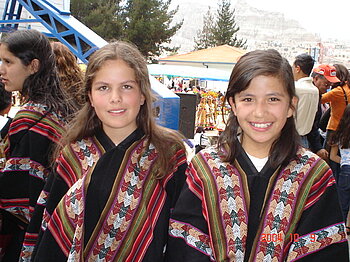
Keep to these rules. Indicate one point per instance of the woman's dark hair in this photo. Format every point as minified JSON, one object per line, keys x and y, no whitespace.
{"x":43,"y":86}
{"x":342,"y":135}
{"x":5,"y":98}
{"x":342,"y":74}
{"x":249,"y":66}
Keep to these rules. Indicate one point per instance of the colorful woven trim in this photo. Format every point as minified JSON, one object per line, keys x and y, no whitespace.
{"x":192,"y":236}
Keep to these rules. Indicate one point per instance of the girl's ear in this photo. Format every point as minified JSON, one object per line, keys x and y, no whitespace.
{"x":231,"y":101}
{"x":90,"y":99}
{"x":34,"y":66}
{"x":143,"y":99}
{"x":293,"y":106}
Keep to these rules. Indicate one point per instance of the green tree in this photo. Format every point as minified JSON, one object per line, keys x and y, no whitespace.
{"x":205,"y":37}
{"x":147,"y":24}
{"x":222,"y":31}
{"x":101,"y":16}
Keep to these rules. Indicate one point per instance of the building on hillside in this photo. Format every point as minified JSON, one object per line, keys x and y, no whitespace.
{"x":222,"y":57}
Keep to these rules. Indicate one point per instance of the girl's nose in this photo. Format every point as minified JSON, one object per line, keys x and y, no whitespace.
{"x":260,"y":109}
{"x":115,"y":96}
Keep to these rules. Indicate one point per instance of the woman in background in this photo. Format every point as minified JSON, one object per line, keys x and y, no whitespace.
{"x":28,"y":66}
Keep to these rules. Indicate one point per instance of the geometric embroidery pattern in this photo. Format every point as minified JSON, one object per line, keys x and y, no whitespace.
{"x":124,"y":207}
{"x":28,"y":247}
{"x":86,"y":152}
{"x":316,"y":240}
{"x":277,"y":218}
{"x":232,"y":204}
{"x":192,"y":236}
{"x":117,"y":221}
{"x":282,"y":204}
{"x":25,"y":164}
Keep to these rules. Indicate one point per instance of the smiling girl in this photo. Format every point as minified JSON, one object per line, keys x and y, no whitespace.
{"x":28,"y":66}
{"x":259,"y":195}
{"x":119,"y":208}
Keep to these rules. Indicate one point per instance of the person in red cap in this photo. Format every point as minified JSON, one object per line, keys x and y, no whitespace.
{"x":323,"y":76}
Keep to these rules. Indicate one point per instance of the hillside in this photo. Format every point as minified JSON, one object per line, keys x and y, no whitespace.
{"x":257,"y":26}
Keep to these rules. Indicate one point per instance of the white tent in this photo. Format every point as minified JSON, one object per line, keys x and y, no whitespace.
{"x":189,"y":72}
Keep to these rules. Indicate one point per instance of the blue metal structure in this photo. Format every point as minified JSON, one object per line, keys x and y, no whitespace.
{"x":82,"y":41}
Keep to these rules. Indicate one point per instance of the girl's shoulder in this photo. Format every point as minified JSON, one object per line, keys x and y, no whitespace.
{"x":33,"y":107}
{"x":85,"y":144}
{"x":304,"y":154}
{"x":308,"y":163}
{"x":41,"y":110}
{"x":84,"y":152}
{"x":29,"y":113}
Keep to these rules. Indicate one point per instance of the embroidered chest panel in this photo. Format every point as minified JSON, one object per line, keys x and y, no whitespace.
{"x":124,"y":208}
{"x":231,"y":189}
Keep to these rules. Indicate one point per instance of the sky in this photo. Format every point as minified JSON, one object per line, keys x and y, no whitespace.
{"x":328,"y":18}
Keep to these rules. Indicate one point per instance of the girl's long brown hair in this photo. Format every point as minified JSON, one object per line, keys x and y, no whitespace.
{"x":70,"y":75}
{"x":86,"y":123}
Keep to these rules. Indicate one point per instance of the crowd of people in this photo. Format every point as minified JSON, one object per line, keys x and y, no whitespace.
{"x":87,"y":175}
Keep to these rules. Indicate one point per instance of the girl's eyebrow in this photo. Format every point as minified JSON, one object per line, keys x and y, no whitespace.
{"x":122,"y":83}
{"x":275,"y":94}
{"x":244,"y":94}
{"x":252,"y":94}
{"x":128,"y":81}
{"x":100,"y":83}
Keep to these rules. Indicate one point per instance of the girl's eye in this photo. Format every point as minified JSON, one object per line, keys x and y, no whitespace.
{"x":247,"y":99}
{"x":102,"y":88}
{"x":127,"y":86}
{"x":274,"y":99}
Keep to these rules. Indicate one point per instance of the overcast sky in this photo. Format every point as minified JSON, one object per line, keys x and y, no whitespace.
{"x":329,"y":18}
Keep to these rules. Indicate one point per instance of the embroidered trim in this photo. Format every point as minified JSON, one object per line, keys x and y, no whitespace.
{"x":25,"y":164}
{"x":232,"y":206}
{"x":316,"y":241}
{"x":192,"y":236}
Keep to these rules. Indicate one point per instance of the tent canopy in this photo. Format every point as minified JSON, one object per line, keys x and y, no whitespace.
{"x":189,"y":72}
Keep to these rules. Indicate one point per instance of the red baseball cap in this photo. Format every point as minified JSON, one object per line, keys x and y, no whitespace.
{"x":328,"y":71}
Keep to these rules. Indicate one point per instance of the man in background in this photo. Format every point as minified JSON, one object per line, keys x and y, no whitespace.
{"x":308,"y":96}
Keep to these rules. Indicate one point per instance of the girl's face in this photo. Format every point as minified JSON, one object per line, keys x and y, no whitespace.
{"x":262,"y":111}
{"x":12,"y":71}
{"x":116,"y":97}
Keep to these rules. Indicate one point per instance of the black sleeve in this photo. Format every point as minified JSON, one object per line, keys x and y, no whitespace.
{"x":188,"y":212}
{"x":50,"y":251}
